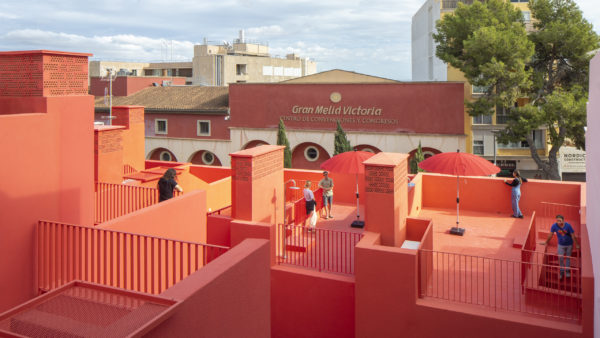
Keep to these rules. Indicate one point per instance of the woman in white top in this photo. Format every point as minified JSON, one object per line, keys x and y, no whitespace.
{"x":310,"y":205}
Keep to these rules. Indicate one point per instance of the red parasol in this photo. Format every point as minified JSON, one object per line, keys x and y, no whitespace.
{"x":350,"y":162}
{"x":459,"y":164}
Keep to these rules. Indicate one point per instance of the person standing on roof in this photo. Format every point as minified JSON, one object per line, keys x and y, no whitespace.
{"x":166,"y":184}
{"x":327,"y":185}
{"x":516,"y":192}
{"x":566,"y":238}
{"x":309,"y":197}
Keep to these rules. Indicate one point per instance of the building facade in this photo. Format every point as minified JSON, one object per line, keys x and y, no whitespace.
{"x":203,"y":125}
{"x":217,"y":64}
{"x":479,"y":130}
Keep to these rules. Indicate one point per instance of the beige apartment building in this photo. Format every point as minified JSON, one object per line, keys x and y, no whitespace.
{"x":218,"y":64}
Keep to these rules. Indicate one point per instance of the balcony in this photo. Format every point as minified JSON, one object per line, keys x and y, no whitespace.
{"x":452,"y":4}
{"x":502,"y":119}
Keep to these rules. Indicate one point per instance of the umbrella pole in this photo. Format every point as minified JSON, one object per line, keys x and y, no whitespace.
{"x":457,"y":199}
{"x":357,"y":204}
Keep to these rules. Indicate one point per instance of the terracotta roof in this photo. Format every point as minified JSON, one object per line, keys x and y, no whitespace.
{"x":174,"y":98}
{"x":339,"y":76}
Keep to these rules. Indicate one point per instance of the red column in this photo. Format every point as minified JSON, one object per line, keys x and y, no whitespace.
{"x":386,"y":192}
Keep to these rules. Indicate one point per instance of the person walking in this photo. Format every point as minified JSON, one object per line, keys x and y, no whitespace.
{"x":566,"y":238}
{"x":166,"y":184}
{"x":309,"y":197}
{"x":327,"y":185}
{"x":516,"y":192}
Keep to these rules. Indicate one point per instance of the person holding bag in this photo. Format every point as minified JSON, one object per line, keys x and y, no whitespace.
{"x":311,"y":215}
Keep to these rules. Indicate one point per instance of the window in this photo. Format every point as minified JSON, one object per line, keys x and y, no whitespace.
{"x":166,"y":156}
{"x":160,"y":126}
{"x":482,"y":119}
{"x":478,"y":147}
{"x":208,"y":158}
{"x":538,"y":140}
{"x":240,"y":69}
{"x":311,"y":153}
{"x":203,"y":128}
{"x":479,"y":89}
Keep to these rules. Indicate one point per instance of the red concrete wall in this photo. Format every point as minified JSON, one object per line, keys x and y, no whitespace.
{"x":307,"y":303}
{"x":185,"y":125}
{"x":209,"y":173}
{"x":230,"y":297}
{"x":127,"y":85}
{"x":414,"y":107}
{"x":241,"y":230}
{"x":218,"y":230}
{"x":182,"y":218}
{"x":46,"y":137}
{"x":387,"y":304}
{"x":481,"y":194}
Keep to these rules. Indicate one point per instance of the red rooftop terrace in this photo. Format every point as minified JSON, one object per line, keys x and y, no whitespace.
{"x":86,"y":249}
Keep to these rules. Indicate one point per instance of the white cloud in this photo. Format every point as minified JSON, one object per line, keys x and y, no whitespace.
{"x":126,"y":47}
{"x":265,"y":31}
{"x":8,"y":16}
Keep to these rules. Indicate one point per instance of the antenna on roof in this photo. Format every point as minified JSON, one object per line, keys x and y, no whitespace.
{"x":110,"y":76}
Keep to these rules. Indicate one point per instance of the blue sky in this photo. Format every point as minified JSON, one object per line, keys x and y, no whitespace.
{"x":371,"y":37}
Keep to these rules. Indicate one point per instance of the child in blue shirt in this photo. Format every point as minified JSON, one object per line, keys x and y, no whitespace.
{"x":566,"y":238}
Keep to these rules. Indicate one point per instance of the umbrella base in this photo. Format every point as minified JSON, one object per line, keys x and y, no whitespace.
{"x":457,"y":231}
{"x":358,"y":224}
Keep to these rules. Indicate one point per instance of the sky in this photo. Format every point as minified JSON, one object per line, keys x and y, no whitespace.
{"x":370,"y":37}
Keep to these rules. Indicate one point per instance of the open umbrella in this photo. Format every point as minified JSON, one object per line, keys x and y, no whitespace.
{"x":350,"y":162}
{"x":459,"y":164}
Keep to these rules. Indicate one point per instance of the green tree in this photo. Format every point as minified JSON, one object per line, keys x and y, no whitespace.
{"x":283,"y":141}
{"x":488,"y":43}
{"x":418,"y":158}
{"x":341,"y":143}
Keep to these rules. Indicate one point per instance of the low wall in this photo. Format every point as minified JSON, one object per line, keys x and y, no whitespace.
{"x":344,"y":189}
{"x":394,"y":309}
{"x":307,"y":303}
{"x":481,"y":193}
{"x":182,"y":218}
{"x":230,"y":297}
{"x":218,"y":230}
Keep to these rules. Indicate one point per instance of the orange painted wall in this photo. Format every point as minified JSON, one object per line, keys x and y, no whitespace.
{"x":182,"y":218}
{"x":492,"y":195}
{"x":132,"y":118}
{"x":218,"y":192}
{"x":108,"y":154}
{"x":307,"y":303}
{"x":230,"y":297}
{"x":387,"y":305}
{"x":48,"y":166}
{"x":415,"y":195}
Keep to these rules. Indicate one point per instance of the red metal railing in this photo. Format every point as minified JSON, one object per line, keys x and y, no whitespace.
{"x":127,"y":169}
{"x":114,"y":200}
{"x":135,"y":262}
{"x":497,"y":284}
{"x":319,"y":249}
{"x":223,"y":211}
